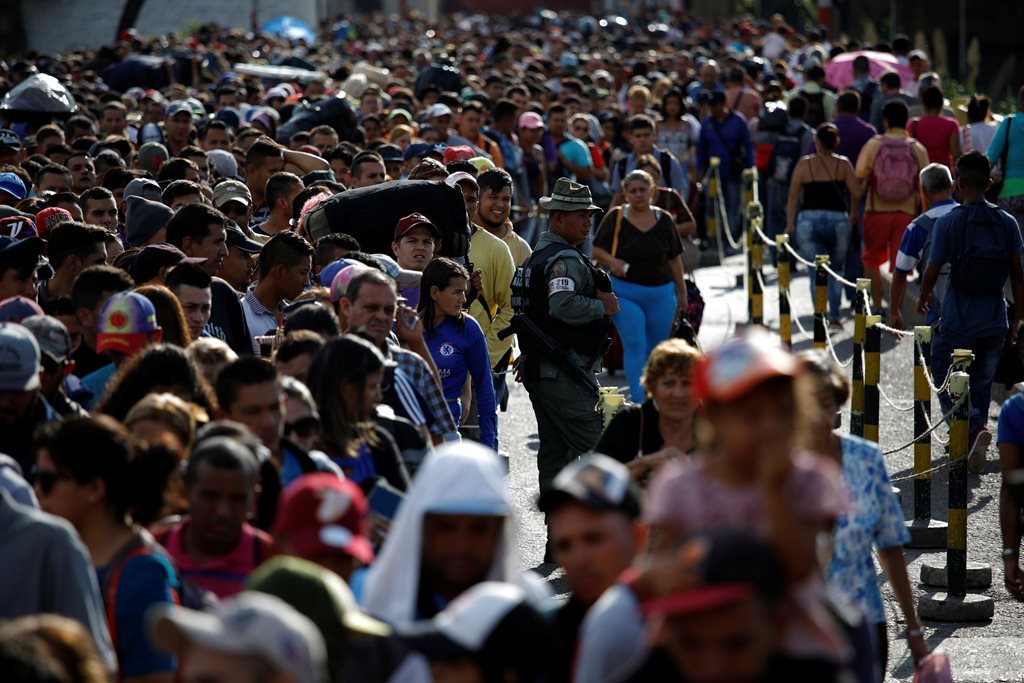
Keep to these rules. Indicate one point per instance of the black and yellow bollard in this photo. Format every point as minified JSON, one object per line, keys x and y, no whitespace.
{"x":749,"y":178}
{"x":857,"y":381}
{"x":755,"y":295}
{"x":872,"y":372}
{"x":956,"y":604}
{"x":925,"y":532}
{"x":820,"y":301}
{"x":785,"y":317}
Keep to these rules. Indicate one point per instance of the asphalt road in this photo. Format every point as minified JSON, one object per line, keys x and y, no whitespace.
{"x":981,"y":652}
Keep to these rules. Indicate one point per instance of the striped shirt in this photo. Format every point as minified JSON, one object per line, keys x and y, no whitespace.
{"x":414,"y":369}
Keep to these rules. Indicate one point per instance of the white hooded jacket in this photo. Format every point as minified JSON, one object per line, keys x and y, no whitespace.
{"x":460,"y":478}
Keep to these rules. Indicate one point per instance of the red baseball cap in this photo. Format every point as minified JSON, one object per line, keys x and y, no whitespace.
{"x":321,"y":512}
{"x":458,"y":152}
{"x":739,"y":365}
{"x":414,"y":220}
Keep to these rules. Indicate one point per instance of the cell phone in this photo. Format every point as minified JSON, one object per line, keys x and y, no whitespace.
{"x":385,"y":499}
{"x":406,"y":315}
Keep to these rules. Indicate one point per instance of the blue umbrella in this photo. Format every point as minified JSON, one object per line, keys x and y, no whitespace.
{"x":291,"y":28}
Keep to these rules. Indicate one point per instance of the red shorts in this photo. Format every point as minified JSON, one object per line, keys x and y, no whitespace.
{"x":882,"y":235}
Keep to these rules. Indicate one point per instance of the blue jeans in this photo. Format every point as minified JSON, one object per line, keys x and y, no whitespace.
{"x":825,"y":232}
{"x":987,"y":351}
{"x":644,"y":320}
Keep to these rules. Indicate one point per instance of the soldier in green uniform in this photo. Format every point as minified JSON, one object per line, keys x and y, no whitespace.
{"x":569,"y":302}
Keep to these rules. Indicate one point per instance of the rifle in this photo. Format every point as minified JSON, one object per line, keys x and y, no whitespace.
{"x":534,"y":339}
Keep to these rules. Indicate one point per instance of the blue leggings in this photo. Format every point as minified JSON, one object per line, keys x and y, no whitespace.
{"x":644,"y":320}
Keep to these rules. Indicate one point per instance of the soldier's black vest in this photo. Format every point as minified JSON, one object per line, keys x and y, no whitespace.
{"x":530,"y":297}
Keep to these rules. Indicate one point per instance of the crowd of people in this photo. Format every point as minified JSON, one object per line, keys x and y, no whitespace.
{"x":241,"y":444}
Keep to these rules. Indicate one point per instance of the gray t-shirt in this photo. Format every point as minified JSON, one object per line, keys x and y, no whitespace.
{"x":46,"y":569}
{"x":613,"y":638}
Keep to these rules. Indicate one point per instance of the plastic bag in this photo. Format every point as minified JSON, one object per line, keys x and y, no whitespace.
{"x":934,"y":669}
{"x":41,"y":93}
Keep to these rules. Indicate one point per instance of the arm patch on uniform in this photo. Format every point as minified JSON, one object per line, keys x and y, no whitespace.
{"x":561,"y":284}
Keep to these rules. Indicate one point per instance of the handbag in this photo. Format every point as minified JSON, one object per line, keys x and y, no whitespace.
{"x":998,"y":172}
{"x":693,"y":314}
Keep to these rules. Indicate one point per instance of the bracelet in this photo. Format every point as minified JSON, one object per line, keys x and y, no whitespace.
{"x":915,"y":633}
{"x":1010,"y":552}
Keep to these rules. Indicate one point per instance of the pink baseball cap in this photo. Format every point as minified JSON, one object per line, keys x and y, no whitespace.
{"x":531,"y":119}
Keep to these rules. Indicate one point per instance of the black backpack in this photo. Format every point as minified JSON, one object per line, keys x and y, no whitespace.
{"x":815,"y":108}
{"x":979,"y":269}
{"x":786,"y":152}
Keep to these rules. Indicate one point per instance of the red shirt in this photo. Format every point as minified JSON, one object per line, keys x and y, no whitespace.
{"x":934,"y":132}
{"x":226,"y":575}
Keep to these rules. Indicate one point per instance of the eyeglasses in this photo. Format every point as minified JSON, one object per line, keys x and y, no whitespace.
{"x":47,"y":479}
{"x":303,"y":427}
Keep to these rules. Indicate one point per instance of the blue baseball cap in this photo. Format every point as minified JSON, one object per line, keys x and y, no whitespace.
{"x":13,"y":185}
{"x":417,"y":149}
{"x":332,"y":269}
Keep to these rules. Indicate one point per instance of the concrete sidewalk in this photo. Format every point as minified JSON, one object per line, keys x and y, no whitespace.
{"x":987,"y":651}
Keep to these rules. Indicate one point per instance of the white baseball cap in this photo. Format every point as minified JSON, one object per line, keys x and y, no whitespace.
{"x":248,"y":624}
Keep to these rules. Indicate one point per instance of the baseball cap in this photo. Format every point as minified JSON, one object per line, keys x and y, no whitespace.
{"x":237,"y":238}
{"x":19,"y":358}
{"x":8,"y":138}
{"x":417,"y":149}
{"x":151,"y":156}
{"x":459,"y":176}
{"x":390,"y":153}
{"x":14,"y":309}
{"x":491,"y":623}
{"x":18,"y":227}
{"x":178,"y":106}
{"x":29,"y":244}
{"x":739,"y":365}
{"x":342,"y":277}
{"x":51,"y":335}
{"x":250,"y":623}
{"x":403,"y":277}
{"x":731,"y":564}
{"x":321,"y":512}
{"x":333,"y":268}
{"x":51,"y":217}
{"x":531,"y":119}
{"x":151,"y":259}
{"x":914,"y":54}
{"x":323,"y":597}
{"x":481,"y":163}
{"x":224,"y":161}
{"x":127,"y":323}
{"x":13,"y":185}
{"x":142,"y":187}
{"x":437,"y":110}
{"x":231,"y":190}
{"x":413,"y":220}
{"x":594,"y":481}
{"x":458,"y":152}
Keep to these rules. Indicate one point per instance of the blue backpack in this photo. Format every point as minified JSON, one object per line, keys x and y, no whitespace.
{"x":979,"y":267}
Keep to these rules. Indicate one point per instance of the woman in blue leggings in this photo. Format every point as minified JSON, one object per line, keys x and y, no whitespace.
{"x":641,"y":248}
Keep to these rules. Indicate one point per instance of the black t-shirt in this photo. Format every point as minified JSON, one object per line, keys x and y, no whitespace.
{"x":87,"y":361}
{"x":634,"y":431}
{"x":227,"y":320}
{"x":647,"y":252}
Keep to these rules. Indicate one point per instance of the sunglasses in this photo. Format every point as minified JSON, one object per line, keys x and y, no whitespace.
{"x":302,"y":428}
{"x":47,"y":479}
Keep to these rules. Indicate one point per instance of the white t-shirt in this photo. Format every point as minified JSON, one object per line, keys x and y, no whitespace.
{"x":976,"y":137}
